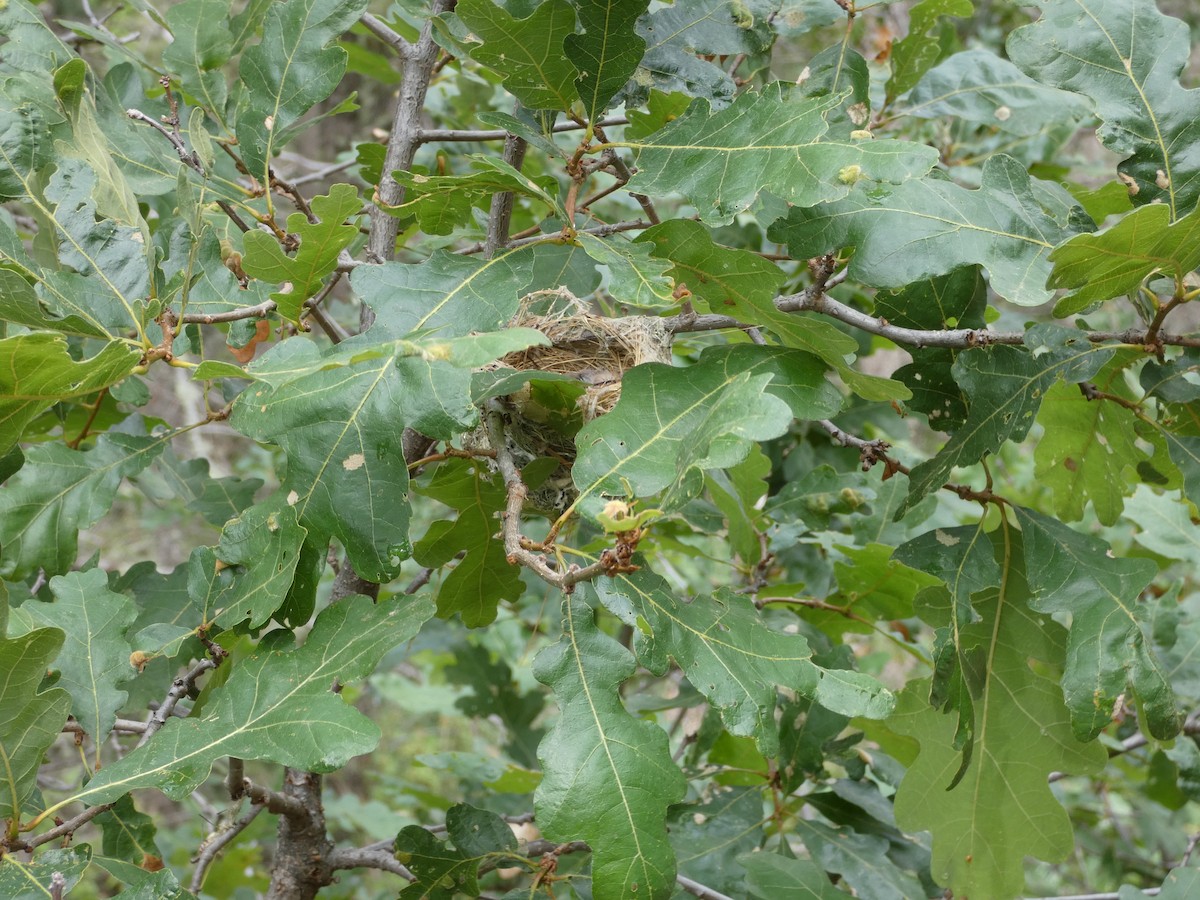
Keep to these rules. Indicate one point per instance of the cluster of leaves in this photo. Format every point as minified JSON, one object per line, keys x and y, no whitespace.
{"x":740,"y":650}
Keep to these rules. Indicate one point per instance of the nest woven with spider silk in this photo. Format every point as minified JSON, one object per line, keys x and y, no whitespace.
{"x":593,"y":350}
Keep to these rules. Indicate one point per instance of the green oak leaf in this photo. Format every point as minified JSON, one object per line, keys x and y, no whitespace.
{"x":341,"y":428}
{"x":442,"y":872}
{"x":987,"y":818}
{"x":1005,"y":386}
{"x":446,"y":872}
{"x":31,"y":45}
{"x":250,"y":571}
{"x":95,"y":656}
{"x":111,"y":257}
{"x":682,"y":40}
{"x":1180,"y":884}
{"x":729,"y":654}
{"x":35,"y":880}
{"x":129,"y":834}
{"x":217,"y":500}
{"x":607,"y":777}
{"x":671,"y":424}
{"x":446,"y":295}
{"x":1117,"y":260}
{"x":1125,"y":56}
{"x":929,"y":40}
{"x":978,"y":86}
{"x":860,"y":859}
{"x":637,"y":276}
{"x":607,"y":52}
{"x":277,"y":705}
{"x":963,"y":559}
{"x":37,"y":370}
{"x":201,"y":46}
{"x":55,"y":300}
{"x":89,"y":144}
{"x":742,"y":284}
{"x":24,"y":150}
{"x":1165,"y":524}
{"x":30,"y":718}
{"x":1109,"y":648}
{"x":1089,"y":446}
{"x":527,"y":53}
{"x":441,"y":203}
{"x":483,"y":577}
{"x":315,"y":258}
{"x":770,"y":875}
{"x":955,"y":300}
{"x":933,"y":226}
{"x":707,"y":837}
{"x":160,"y":885}
{"x":292,"y":68}
{"x":494,"y":692}
{"x":60,"y":491}
{"x":769,"y":140}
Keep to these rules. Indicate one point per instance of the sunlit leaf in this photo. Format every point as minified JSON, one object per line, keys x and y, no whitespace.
{"x":37,"y":370}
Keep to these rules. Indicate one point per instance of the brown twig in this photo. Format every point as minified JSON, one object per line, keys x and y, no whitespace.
{"x":875,"y":451}
{"x":514,"y":541}
{"x":188,"y":158}
{"x":123,"y":726}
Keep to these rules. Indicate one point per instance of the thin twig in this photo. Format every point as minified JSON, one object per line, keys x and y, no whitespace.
{"x":871,"y":452}
{"x":217,"y":842}
{"x":1191,"y":726}
{"x":387,"y":34}
{"x":696,"y":889}
{"x":809,"y":300}
{"x":124,"y":726}
{"x":454,"y":135}
{"x":598,"y":231}
{"x":180,"y":688}
{"x":262,"y":310}
{"x":66,"y":828}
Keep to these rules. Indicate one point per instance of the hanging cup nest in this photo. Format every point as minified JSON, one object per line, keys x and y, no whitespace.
{"x":587,"y":357}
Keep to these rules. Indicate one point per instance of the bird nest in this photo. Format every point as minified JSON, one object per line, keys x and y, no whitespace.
{"x":594,"y":350}
{"x":573,"y":380}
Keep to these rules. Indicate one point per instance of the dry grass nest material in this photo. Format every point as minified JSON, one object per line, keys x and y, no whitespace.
{"x":594,"y":349}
